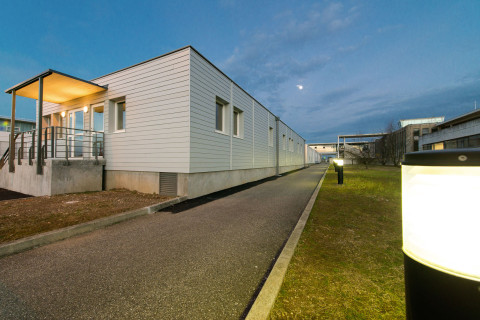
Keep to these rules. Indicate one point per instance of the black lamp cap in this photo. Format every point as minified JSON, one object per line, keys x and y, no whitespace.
{"x":450,"y":157}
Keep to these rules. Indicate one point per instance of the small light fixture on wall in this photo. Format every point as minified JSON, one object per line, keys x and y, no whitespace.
{"x":441,"y":236}
{"x":85,"y":109}
{"x":63,"y":114}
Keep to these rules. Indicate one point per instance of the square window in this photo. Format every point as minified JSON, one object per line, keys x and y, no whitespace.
{"x":120,"y":116}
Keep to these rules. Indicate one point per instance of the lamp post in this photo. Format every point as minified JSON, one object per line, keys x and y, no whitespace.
{"x":338,"y":163}
{"x":441,"y":234}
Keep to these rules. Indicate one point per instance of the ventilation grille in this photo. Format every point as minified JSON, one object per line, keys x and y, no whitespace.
{"x":168,"y":183}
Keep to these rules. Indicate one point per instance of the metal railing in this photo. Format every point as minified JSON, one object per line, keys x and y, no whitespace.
{"x":60,"y":143}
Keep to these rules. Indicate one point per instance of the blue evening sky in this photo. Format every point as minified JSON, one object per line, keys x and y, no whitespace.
{"x":324,"y":67}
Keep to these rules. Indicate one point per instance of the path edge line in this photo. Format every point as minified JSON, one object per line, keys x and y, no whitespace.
{"x":265,"y":300}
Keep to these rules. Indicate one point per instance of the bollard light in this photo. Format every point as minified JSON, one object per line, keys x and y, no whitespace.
{"x":339,"y":169}
{"x":441,"y":234}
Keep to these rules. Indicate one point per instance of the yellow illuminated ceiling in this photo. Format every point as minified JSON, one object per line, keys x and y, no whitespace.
{"x":57,"y":87}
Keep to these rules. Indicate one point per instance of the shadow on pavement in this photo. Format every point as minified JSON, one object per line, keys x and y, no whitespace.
{"x":9,"y":195}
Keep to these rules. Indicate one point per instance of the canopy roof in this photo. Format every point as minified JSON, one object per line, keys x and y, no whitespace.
{"x":57,"y":87}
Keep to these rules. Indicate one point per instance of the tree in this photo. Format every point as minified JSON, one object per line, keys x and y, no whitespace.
{"x":390,"y":147}
{"x":363,"y":154}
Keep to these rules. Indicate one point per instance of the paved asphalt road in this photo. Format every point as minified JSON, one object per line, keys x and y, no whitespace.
{"x":204,"y":259}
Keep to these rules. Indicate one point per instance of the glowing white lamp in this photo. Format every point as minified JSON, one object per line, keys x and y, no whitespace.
{"x":441,"y":232}
{"x":85,"y":109}
{"x":63,"y":114}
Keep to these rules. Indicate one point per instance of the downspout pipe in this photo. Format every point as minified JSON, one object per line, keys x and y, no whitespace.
{"x":277,"y":153}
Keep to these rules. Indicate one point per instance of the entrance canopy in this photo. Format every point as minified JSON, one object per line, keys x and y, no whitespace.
{"x":57,"y":87}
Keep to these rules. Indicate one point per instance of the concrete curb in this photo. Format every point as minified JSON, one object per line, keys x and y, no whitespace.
{"x":67,"y":232}
{"x":265,"y":300}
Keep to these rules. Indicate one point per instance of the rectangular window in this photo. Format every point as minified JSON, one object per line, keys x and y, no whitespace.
{"x":416,"y":132}
{"x":438,"y":146}
{"x":451,"y":144}
{"x":425,"y":131}
{"x":97,"y":118}
{"x":46,"y":122}
{"x":237,"y":123}
{"x":284,"y":142}
{"x":270,"y":136}
{"x":120,"y":116}
{"x":474,"y":141}
{"x":219,"y":117}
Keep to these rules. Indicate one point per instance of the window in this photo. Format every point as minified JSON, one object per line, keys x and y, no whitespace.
{"x":17,"y":129}
{"x":270,"y":136}
{"x":284,"y":142}
{"x":237,"y":123}
{"x":416,"y":132}
{"x":219,"y":117}
{"x":474,"y":141}
{"x":120,"y":116}
{"x":425,"y":131}
{"x":97,"y":117}
{"x":46,"y":122}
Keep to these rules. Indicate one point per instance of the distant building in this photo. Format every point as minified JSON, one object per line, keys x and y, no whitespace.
{"x":21,"y":125}
{"x":434,"y":120}
{"x":347,"y":151}
{"x":460,"y":132}
{"x":406,"y":139}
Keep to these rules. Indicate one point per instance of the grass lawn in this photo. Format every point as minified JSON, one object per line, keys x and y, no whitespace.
{"x":349,"y":263}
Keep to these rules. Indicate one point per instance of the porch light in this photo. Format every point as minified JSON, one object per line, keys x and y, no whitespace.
{"x":441,"y":234}
{"x":85,"y":109}
{"x":63,"y":114}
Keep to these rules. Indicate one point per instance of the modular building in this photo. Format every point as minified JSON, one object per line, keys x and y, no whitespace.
{"x":460,"y":132}
{"x":174,"y":124}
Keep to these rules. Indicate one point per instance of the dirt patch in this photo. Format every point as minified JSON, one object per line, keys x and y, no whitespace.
{"x":21,"y":218}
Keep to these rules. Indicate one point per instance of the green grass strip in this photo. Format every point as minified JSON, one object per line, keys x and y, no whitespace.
{"x":348,"y":263}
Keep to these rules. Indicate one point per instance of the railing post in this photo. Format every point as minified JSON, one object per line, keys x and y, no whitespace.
{"x":22,"y":145}
{"x":46,"y":143}
{"x":52,"y":142}
{"x":66,"y":145}
{"x":95,"y":146}
{"x":33,"y":143}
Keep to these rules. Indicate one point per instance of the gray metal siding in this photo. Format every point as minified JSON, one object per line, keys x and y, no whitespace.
{"x":157,"y":134}
{"x":214,"y":151}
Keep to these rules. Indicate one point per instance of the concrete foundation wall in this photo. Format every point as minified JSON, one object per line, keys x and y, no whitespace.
{"x":147,"y":182}
{"x":195,"y":185}
{"x":57,"y":178}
